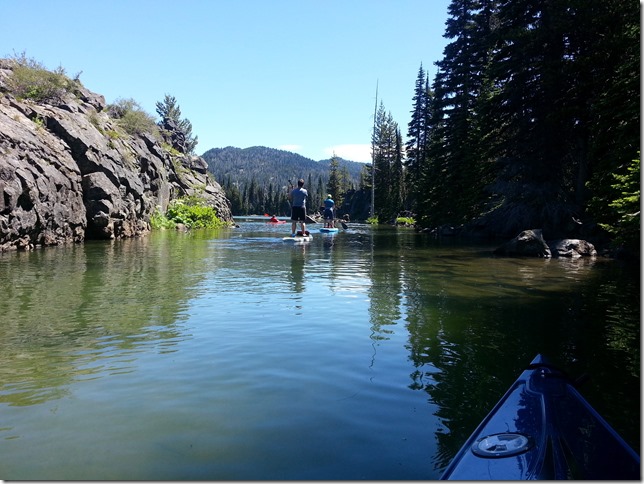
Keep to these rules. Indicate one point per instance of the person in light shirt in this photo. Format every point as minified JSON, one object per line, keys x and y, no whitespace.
{"x":298,"y":198}
{"x":328,"y":212}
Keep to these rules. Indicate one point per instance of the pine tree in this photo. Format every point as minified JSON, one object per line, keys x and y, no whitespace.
{"x":398,"y":188}
{"x":366,"y":178}
{"x":312,"y":201}
{"x":232,"y":194}
{"x":320,"y":194}
{"x":269,"y":205}
{"x":608,"y":47}
{"x":452,"y":180}
{"x":536,"y":115}
{"x":387,"y":157}
{"x":177,"y":132}
{"x":532,"y":113}
{"x":334,"y":185}
{"x":417,"y":138}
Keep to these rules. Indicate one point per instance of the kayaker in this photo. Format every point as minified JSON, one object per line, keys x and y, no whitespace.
{"x":329,"y":205}
{"x":274,"y":219}
{"x":298,"y":207}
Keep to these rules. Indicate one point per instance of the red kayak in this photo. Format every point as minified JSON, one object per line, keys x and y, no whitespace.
{"x":274,"y":220}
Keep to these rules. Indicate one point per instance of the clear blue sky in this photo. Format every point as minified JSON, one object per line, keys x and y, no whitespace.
{"x":298,"y":75}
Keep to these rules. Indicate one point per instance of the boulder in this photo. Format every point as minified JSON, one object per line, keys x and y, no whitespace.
{"x":572,"y":248}
{"x":527,"y":243}
{"x":532,"y":244}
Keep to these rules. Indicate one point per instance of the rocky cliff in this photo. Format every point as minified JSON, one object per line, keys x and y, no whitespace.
{"x":67,"y":173}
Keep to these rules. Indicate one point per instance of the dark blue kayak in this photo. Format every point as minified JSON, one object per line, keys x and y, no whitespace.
{"x":543,"y":428}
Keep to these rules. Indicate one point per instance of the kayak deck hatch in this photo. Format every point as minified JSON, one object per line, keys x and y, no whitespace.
{"x":543,"y":428}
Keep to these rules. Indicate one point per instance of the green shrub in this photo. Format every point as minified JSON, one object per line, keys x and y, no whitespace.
{"x":39,"y":122}
{"x":170,"y":149}
{"x":96,"y":122}
{"x":31,"y":80}
{"x":159,"y":221}
{"x":131,"y":118}
{"x":189,"y":211}
{"x":626,"y":207}
{"x":405,"y":221}
{"x":373,"y":220}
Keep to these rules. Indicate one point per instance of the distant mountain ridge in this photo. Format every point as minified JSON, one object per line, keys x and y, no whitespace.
{"x":271,"y":166}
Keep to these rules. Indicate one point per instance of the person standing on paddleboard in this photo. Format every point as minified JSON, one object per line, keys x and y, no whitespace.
{"x":298,"y":207}
{"x":328,"y":212}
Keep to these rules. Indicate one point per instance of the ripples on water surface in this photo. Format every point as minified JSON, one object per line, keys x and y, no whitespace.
{"x":368,"y":354}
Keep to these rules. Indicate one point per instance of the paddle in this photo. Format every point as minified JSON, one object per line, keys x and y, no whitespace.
{"x":288,"y":192}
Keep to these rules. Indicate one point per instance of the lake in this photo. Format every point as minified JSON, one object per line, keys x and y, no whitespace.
{"x":372,"y":353}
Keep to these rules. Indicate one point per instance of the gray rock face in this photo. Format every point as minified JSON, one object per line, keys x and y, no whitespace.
{"x":67,"y":173}
{"x":41,"y":199}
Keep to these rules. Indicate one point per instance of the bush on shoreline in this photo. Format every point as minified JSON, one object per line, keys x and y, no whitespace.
{"x":190,"y":211}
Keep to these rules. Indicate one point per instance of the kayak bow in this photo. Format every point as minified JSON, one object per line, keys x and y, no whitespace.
{"x":543,"y":428}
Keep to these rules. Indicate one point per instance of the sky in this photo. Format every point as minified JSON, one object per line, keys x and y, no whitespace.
{"x":297,"y":75}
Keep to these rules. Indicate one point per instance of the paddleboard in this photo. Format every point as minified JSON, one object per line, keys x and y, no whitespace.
{"x":298,"y":239}
{"x":328,"y":229}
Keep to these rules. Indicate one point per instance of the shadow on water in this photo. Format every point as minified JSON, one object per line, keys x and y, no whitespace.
{"x":475,"y":320}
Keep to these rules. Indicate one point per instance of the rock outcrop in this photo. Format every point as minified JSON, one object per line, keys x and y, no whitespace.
{"x":67,"y":173}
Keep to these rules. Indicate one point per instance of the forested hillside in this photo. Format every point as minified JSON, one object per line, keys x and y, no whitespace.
{"x":256,"y":179}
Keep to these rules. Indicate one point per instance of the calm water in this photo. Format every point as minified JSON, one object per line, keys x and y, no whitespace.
{"x":369,"y":354}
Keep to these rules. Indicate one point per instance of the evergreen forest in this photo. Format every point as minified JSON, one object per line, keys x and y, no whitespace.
{"x":531,"y":120}
{"x":258,"y":179}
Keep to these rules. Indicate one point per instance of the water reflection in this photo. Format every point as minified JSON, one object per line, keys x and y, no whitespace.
{"x":366,"y":351}
{"x":473,"y":323}
{"x":82,"y":312}
{"x":298,"y":258}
